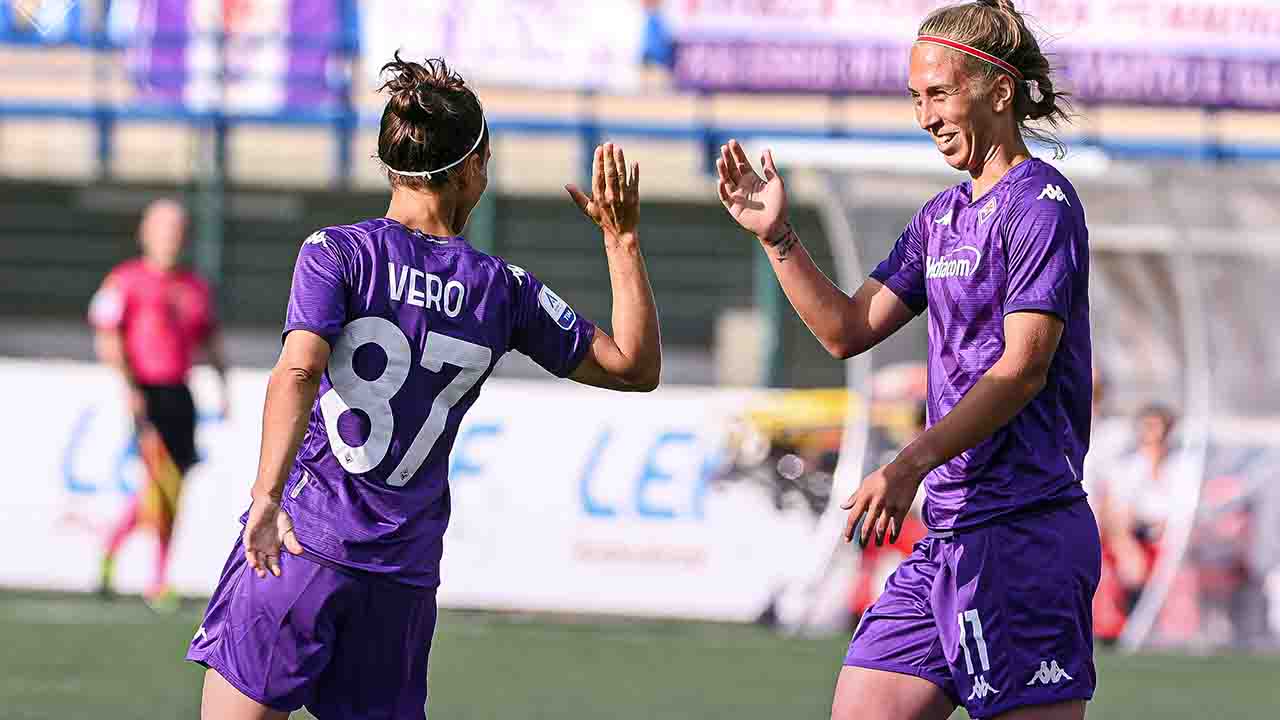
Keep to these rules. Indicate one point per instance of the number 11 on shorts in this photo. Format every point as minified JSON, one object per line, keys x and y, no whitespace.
{"x":971,"y":616}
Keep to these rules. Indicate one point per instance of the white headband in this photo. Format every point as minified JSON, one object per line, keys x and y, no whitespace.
{"x":428,"y":173}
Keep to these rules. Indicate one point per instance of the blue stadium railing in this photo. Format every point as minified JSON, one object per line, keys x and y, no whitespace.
{"x":344,"y":119}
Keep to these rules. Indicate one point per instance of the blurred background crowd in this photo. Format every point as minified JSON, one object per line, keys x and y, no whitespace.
{"x":259,"y":116}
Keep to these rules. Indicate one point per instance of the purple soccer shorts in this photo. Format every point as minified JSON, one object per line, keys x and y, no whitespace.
{"x":999,"y":616}
{"x":342,"y":645}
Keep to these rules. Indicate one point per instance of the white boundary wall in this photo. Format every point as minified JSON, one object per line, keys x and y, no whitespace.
{"x":565,"y":498}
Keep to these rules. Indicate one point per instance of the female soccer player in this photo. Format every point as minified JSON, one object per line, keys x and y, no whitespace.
{"x":992,"y":609}
{"x":393,"y":325}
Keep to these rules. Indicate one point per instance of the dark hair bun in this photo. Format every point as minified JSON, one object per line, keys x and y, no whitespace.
{"x":431,"y":118}
{"x":419,"y":91}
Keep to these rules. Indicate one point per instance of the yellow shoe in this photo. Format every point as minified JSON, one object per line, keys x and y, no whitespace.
{"x":162,"y":600}
{"x":106,"y":577}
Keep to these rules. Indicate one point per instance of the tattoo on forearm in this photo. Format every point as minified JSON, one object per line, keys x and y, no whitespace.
{"x":783,"y":245}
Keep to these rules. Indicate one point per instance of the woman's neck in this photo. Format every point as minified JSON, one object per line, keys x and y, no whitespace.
{"x":428,"y":213}
{"x":999,"y":159}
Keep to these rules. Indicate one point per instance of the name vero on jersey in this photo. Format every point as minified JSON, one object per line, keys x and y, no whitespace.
{"x":961,"y":262}
{"x":415,"y":287}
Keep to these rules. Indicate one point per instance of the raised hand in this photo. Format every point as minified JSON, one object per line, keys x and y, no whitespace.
{"x":614,"y":204}
{"x":758,"y":204}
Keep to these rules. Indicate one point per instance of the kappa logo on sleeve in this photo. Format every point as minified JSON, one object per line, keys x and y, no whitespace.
{"x":558,"y":309}
{"x":1053,"y":192}
{"x":518,"y":273}
{"x":317,"y":238}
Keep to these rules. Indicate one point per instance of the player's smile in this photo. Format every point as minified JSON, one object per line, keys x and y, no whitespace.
{"x":945,"y":141}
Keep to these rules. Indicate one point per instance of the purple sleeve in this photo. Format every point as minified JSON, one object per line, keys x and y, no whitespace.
{"x":903,"y":271}
{"x":1045,"y":249}
{"x":318,"y":298}
{"x":545,"y":328}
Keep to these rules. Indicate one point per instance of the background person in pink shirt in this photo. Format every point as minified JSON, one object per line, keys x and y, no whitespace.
{"x":151,"y":318}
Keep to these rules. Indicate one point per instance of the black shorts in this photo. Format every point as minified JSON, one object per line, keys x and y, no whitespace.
{"x":172,"y":412}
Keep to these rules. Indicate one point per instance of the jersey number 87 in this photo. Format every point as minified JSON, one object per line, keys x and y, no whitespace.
{"x":373,"y":397}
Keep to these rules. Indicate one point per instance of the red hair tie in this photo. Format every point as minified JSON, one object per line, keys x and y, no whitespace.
{"x":971,"y":51}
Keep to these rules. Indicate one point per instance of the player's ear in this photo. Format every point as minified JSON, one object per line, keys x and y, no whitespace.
{"x":476,"y":167}
{"x":1002,"y":94}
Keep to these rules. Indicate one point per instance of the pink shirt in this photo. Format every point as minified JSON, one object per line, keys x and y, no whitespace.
{"x":163,"y":317}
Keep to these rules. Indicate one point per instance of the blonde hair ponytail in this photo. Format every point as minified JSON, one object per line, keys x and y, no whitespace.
{"x":997,"y":28}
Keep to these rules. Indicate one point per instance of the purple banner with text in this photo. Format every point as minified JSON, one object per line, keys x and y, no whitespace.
{"x":1158,"y":52}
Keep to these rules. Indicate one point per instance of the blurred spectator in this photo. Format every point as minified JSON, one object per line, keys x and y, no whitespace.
{"x":1148,"y":489}
{"x":150,"y":318}
{"x":1111,"y":440}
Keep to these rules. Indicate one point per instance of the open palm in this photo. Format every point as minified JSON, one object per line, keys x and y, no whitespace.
{"x":614,"y":203}
{"x":758,"y":204}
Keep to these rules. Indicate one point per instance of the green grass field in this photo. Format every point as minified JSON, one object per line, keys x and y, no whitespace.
{"x":66,"y":657}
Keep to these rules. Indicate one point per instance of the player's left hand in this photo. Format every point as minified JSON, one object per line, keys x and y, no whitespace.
{"x":885,"y":497}
{"x":614,"y":203}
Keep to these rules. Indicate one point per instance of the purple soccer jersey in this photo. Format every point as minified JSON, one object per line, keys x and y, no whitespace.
{"x":1023,"y":246}
{"x":416,"y":324}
